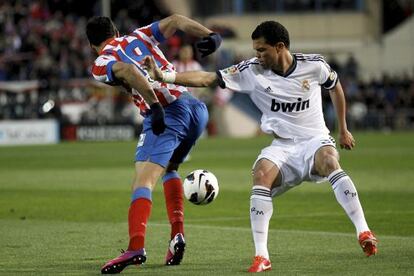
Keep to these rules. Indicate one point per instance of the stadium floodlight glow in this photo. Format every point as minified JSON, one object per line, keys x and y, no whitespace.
{"x":47,"y":106}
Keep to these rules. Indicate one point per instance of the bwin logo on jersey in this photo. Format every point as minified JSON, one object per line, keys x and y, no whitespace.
{"x":289,"y":107}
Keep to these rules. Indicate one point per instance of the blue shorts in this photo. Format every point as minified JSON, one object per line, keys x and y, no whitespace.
{"x":186,"y":118}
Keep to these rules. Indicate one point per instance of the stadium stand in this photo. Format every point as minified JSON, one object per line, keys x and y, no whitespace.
{"x":45,"y":63}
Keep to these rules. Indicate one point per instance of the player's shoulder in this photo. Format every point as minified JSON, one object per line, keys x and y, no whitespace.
{"x":149,"y":30}
{"x":242,"y":67}
{"x":247,"y":65}
{"x":103,"y":59}
{"x":309,"y":57}
{"x":311,"y":61}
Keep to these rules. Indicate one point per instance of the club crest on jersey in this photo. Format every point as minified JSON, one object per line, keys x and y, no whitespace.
{"x":230,"y":70}
{"x":305,"y":85}
{"x":289,"y":107}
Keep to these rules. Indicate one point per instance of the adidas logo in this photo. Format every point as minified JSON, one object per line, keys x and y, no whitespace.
{"x":268,"y":90}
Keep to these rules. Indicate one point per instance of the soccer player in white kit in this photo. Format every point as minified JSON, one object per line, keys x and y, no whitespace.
{"x":286,"y":88}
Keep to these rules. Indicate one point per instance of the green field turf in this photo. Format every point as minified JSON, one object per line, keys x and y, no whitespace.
{"x":63,"y":210}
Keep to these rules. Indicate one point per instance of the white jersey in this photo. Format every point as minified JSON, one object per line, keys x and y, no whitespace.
{"x":291,"y":105}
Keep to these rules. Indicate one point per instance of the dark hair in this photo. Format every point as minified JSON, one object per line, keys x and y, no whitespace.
{"x":273,"y":32}
{"x":99,"y":29}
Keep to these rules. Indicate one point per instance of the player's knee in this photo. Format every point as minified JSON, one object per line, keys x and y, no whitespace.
{"x":143,"y":181}
{"x":172,"y":167}
{"x":260,"y":178}
{"x":329,"y":163}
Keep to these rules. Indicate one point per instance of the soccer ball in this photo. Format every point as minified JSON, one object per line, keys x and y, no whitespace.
{"x":201,"y":187}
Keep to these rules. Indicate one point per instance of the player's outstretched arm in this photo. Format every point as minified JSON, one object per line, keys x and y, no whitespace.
{"x":346,"y":140}
{"x":209,"y":42}
{"x":169,"y":25}
{"x":190,"y":78}
{"x":128,"y":74}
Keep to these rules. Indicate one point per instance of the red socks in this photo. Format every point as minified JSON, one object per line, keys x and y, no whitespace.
{"x":173,"y":192}
{"x":141,"y":205}
{"x":138,"y":215}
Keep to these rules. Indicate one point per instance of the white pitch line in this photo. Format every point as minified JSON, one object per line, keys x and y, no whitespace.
{"x":317,"y":233}
{"x":278,"y":216}
{"x":341,"y":213}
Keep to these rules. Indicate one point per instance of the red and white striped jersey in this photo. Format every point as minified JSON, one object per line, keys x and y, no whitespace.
{"x":132,"y":49}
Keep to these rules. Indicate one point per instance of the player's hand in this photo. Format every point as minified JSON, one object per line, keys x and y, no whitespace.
{"x":346,"y":140}
{"x":157,"y":119}
{"x":208,"y":44}
{"x":153,"y":70}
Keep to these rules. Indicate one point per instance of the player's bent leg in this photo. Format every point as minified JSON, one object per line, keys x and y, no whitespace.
{"x":173,"y":189}
{"x":146,"y":175}
{"x":326,"y":164}
{"x":265,"y":174}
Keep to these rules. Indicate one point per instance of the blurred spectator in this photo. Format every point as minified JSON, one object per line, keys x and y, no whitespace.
{"x":44,"y":40}
{"x":351,"y":67}
{"x":186,"y":61}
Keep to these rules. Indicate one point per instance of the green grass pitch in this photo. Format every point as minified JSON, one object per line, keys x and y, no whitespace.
{"x":63,"y":210}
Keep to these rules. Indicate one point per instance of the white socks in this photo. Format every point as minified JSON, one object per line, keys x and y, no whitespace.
{"x":261,"y":210}
{"x":346,"y":194}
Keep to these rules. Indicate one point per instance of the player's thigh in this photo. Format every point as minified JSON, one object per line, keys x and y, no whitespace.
{"x":146,"y":174}
{"x":198,"y":123}
{"x":266,"y":173}
{"x":156,"y":149}
{"x":160,"y":148}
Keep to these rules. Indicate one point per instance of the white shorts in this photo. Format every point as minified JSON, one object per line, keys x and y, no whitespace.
{"x":295,"y":160}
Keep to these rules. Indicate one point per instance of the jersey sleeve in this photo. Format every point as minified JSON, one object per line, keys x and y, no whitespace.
{"x":152,"y":31}
{"x":328,"y":77}
{"x":236,"y":78}
{"x":102,"y":69}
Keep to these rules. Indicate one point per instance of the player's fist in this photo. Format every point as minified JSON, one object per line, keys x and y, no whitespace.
{"x":208,"y":44}
{"x":346,"y":140}
{"x":157,"y":118}
{"x":153,"y":70}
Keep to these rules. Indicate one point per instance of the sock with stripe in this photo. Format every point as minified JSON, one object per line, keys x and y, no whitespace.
{"x":261,"y":210}
{"x":139,"y":212}
{"x":347,"y":196}
{"x":173,"y":193}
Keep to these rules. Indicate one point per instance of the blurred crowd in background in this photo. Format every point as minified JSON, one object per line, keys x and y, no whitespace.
{"x":44,"y":41}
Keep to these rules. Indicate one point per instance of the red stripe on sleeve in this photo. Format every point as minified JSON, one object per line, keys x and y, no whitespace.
{"x":98,"y":70}
{"x":161,"y":98}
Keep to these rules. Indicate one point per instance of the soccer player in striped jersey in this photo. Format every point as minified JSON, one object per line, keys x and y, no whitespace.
{"x":286,"y":88}
{"x":173,"y":122}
